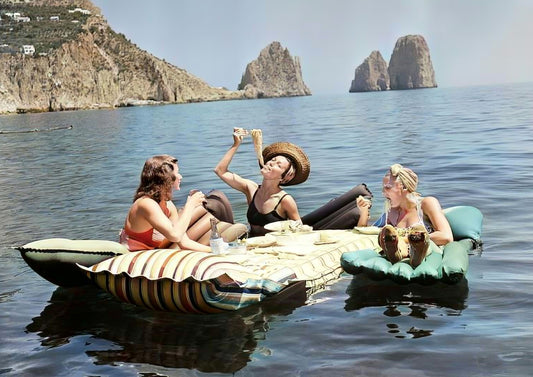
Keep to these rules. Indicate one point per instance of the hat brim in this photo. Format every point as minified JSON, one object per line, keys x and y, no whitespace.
{"x":295,"y":154}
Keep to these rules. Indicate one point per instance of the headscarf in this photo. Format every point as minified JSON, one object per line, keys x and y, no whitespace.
{"x":406,"y":176}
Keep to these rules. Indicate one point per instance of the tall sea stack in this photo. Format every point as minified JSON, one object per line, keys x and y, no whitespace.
{"x":371,"y":75}
{"x":410,"y":65}
{"x":275,"y":73}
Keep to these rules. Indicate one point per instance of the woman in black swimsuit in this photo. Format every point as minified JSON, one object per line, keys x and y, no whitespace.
{"x":285,"y":164}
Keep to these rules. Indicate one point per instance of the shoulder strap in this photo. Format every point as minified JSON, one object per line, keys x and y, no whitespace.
{"x":280,"y":201}
{"x":254,"y":195}
{"x":164,"y":208}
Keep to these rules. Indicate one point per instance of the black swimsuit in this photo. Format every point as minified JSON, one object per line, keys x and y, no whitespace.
{"x":261,"y":219}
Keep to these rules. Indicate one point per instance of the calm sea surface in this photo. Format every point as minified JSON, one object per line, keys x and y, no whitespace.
{"x":470,"y":146}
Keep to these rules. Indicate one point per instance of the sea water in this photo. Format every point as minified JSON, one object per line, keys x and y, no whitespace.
{"x":469,"y":146}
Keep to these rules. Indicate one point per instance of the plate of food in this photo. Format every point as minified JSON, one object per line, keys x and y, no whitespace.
{"x":261,"y":241}
{"x":325,"y":239}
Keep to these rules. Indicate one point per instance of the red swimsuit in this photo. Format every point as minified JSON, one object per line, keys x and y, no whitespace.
{"x":150,"y":239}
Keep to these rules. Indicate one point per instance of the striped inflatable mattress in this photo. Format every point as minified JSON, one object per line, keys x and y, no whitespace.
{"x":197,"y":282}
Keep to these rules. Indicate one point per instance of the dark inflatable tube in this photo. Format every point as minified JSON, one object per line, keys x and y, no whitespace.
{"x":340,"y":212}
{"x":219,"y":205}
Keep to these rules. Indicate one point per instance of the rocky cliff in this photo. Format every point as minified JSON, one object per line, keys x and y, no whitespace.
{"x":410,"y":65}
{"x":99,"y":68}
{"x":274,"y":74}
{"x":371,"y":75}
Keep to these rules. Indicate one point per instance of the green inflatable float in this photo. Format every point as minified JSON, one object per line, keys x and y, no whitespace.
{"x":449,"y":266}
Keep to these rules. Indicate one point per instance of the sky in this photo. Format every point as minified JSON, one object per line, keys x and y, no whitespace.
{"x":471,"y":42}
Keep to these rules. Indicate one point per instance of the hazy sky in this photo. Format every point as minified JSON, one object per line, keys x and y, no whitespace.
{"x":472,"y":42}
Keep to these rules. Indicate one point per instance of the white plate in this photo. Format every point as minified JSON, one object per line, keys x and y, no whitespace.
{"x":291,"y":226}
{"x":277,"y":226}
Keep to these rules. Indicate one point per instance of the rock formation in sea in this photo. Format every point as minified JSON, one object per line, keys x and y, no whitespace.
{"x":275,"y":73}
{"x":371,"y":75}
{"x":98,"y":68}
{"x":410,"y":65}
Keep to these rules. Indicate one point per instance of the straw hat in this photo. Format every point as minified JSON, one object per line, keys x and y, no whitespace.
{"x":297,"y":156}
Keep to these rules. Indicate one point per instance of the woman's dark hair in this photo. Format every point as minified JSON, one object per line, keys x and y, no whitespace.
{"x":157,"y":178}
{"x":291,"y":170}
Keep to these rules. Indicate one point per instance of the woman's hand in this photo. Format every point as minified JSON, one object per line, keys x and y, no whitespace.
{"x":363,"y":205}
{"x":196,"y":198}
{"x":238,"y":135}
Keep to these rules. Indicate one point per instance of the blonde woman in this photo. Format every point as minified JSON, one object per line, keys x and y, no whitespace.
{"x":410,"y":221}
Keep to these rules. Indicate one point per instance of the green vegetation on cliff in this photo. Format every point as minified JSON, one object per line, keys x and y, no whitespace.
{"x":81,"y":63}
{"x":44,"y":33}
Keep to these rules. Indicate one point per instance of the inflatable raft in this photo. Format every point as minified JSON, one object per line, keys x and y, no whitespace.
{"x":448,"y":264}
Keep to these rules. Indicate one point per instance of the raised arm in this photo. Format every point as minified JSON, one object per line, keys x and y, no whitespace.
{"x":222,"y":169}
{"x":442,"y":233}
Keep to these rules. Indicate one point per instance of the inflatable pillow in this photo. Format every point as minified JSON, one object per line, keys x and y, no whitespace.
{"x":54,"y":258}
{"x":465,"y":221}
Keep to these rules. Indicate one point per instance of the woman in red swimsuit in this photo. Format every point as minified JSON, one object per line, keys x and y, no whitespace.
{"x":410,"y":221}
{"x":285,"y":164}
{"x":153,"y":220}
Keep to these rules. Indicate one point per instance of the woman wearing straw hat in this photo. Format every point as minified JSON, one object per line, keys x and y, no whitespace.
{"x":285,"y":165}
{"x":410,"y":221}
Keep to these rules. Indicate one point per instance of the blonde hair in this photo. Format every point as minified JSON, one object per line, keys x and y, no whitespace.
{"x":408,"y":179}
{"x":406,"y":176}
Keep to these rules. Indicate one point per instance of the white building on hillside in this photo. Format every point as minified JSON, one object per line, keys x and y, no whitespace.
{"x":15,"y":1}
{"x":28,"y":49}
{"x":83,"y":11}
{"x":12,"y":15}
